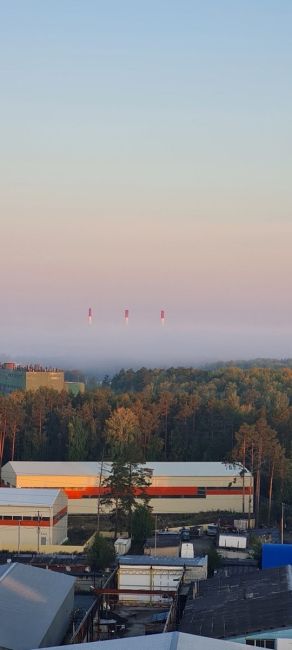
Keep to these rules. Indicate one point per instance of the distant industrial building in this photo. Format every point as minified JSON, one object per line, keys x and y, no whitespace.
{"x":146,"y":573}
{"x":183,"y":487}
{"x":14,"y":377}
{"x":32,"y":518}
{"x":74,"y":387}
{"x":35,"y":606}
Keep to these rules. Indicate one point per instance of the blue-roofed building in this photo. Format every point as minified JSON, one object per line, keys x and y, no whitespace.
{"x":276,"y":555}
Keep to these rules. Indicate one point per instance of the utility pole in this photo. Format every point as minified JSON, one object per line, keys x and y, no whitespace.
{"x":155,"y":536}
{"x":39,"y":518}
{"x":98,"y":498}
{"x":282,"y":523}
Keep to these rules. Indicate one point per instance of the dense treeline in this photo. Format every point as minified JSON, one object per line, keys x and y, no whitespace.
{"x":174,"y":414}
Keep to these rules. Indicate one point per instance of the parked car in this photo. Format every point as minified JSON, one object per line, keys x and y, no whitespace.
{"x":196,"y":531}
{"x":212,"y":530}
{"x":185,"y":534}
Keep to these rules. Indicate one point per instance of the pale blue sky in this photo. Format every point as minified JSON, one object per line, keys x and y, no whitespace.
{"x":145,"y":163}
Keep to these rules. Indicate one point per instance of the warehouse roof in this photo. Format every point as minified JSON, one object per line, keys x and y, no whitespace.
{"x":168,"y":641}
{"x":85,"y":468}
{"x":240,"y":604}
{"x":28,"y":497}
{"x":30,"y":599}
{"x":152,"y":560}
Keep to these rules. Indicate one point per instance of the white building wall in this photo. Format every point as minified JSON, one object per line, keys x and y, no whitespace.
{"x":16,"y":534}
{"x":162,"y":578}
{"x":146,"y":577}
{"x":168,"y":505}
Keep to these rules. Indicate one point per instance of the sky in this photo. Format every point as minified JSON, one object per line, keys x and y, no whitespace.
{"x":145,"y":163}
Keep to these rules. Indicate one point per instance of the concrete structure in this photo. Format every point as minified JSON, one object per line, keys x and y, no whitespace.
{"x":183,"y":487}
{"x":157,"y":573}
{"x":168,"y":641}
{"x":32,"y":518}
{"x":253,"y":608}
{"x":35,"y":606}
{"x":14,"y":377}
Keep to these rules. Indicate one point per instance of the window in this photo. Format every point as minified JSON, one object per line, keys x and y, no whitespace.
{"x":261,"y":643}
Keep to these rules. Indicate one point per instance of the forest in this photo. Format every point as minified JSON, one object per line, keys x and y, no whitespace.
{"x":224,"y":414}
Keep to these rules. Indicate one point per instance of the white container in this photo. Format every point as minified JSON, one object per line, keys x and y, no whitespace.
{"x":122,"y":545}
{"x":187,"y":550}
{"x":232,"y":541}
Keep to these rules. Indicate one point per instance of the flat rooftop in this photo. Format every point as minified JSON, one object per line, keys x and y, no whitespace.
{"x":151,"y":560}
{"x":85,"y":468}
{"x":240,"y":604}
{"x":28,"y":497}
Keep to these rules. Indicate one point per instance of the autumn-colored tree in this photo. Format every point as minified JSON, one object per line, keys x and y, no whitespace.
{"x":123,"y":434}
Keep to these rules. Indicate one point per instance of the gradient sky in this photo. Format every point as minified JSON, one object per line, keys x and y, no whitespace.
{"x":146,"y":157}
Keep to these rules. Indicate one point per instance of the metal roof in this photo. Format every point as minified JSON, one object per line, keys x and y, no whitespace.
{"x":240,"y":604}
{"x":30,"y":599}
{"x":146,"y":560}
{"x":168,"y":641}
{"x":85,"y":468}
{"x":28,"y":497}
{"x":163,"y":541}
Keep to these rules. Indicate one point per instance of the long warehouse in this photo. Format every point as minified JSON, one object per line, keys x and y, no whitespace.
{"x":183,"y":487}
{"x":31,"y":518}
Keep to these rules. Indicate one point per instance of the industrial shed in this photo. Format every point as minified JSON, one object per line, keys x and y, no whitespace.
{"x":162,"y":574}
{"x":32,"y":518}
{"x":183,"y":487}
{"x":35,"y":606}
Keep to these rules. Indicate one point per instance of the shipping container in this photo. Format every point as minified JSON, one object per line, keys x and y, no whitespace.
{"x":187,"y":550}
{"x":232,"y":541}
{"x":122,"y":545}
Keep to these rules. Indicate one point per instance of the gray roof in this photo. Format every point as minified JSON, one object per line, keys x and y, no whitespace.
{"x":28,"y":497}
{"x":240,"y":604}
{"x":30,"y":598}
{"x":152,"y":560}
{"x":86,"y":468}
{"x":168,"y":641}
{"x":163,"y":541}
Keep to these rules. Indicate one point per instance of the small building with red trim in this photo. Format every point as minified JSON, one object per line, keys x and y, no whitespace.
{"x":182,"y":487}
{"x":32,"y":518}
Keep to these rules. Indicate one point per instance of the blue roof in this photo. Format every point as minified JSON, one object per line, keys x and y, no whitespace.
{"x":152,"y":560}
{"x":275,"y":555}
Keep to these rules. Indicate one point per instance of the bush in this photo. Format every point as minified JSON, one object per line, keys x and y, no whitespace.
{"x":101,"y":553}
